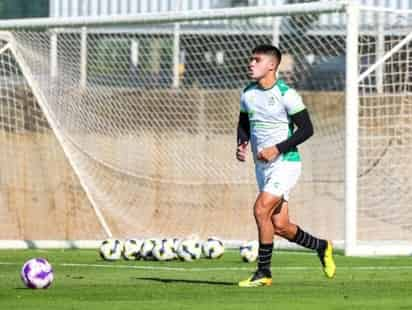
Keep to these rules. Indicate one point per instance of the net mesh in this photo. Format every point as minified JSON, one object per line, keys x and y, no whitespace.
{"x":385,"y":129}
{"x":152,"y":142}
{"x":39,"y":192}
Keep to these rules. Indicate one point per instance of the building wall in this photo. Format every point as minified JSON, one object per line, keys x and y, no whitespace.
{"x":77,"y":8}
{"x":67,"y":8}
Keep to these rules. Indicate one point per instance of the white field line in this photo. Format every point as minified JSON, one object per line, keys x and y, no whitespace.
{"x":184,"y":269}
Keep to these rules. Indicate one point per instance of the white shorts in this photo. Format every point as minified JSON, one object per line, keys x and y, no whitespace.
{"x":278,"y":177}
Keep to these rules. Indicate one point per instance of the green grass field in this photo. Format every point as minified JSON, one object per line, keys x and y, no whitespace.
{"x":84,"y":281}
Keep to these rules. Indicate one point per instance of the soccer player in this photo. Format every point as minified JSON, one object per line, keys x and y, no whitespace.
{"x":269,"y":111}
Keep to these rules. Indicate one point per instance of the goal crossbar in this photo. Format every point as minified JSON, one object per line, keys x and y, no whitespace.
{"x":181,"y":16}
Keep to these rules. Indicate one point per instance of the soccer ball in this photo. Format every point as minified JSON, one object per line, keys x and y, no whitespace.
{"x":213,"y":248}
{"x":147,"y":249}
{"x":111,"y":249}
{"x":175,"y":246}
{"x":131,"y":249}
{"x":164,"y":250}
{"x":189,"y":250}
{"x":249,"y":251}
{"x":37,"y":273}
{"x":176,"y":242}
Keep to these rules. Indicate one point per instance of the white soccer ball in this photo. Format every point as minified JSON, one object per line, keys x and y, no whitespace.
{"x":249,"y":251}
{"x":37,"y":273}
{"x":213,"y":248}
{"x":147,"y":249}
{"x":131,"y":249}
{"x":111,"y":249}
{"x":164,"y":250}
{"x":176,"y":243}
{"x":189,"y":250}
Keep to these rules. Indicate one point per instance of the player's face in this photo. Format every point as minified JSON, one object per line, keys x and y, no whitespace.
{"x":260,"y":66}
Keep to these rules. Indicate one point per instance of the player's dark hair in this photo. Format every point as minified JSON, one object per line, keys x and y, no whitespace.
{"x":268,"y":49}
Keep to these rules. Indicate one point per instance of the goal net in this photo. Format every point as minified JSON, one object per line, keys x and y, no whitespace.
{"x":126,"y":126}
{"x":385,"y":131}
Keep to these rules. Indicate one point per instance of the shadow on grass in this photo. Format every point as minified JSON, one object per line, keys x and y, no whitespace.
{"x":187,"y":281}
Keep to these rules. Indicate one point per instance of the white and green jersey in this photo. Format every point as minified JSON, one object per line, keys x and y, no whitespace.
{"x":269,"y":112}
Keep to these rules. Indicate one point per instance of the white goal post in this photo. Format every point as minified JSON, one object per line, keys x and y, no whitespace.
{"x":125,"y":126}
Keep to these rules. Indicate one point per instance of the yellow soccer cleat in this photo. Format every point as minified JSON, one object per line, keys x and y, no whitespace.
{"x":326,"y":258}
{"x":256,"y":280}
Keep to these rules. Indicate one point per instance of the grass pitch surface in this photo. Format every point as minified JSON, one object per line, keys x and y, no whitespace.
{"x":84,"y":281}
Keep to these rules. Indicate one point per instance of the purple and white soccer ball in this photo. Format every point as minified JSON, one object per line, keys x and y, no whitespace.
{"x":37,"y":273}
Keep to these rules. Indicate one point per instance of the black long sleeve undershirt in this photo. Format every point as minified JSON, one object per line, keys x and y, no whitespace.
{"x":243,"y":128}
{"x":303,"y":132}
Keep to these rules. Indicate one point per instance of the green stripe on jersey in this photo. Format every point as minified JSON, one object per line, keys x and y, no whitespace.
{"x":291,"y":155}
{"x":259,"y":124}
{"x":283,"y":87}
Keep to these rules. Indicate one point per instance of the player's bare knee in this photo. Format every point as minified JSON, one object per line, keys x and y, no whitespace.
{"x":261,"y":211}
{"x":281,"y":228}
{"x":264,"y":208}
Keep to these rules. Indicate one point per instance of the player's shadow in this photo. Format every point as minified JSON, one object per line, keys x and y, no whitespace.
{"x":163,"y":280}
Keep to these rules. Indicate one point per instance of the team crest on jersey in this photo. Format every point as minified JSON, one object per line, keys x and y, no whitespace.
{"x":272,"y":100}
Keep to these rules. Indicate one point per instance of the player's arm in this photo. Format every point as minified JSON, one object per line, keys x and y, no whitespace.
{"x":243,"y":129}
{"x":303,"y":132}
{"x":243,"y":136}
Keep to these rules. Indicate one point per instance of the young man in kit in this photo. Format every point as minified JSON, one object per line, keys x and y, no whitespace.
{"x":269,"y":110}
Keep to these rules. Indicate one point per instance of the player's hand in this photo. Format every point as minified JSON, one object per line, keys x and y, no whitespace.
{"x":268,"y":154}
{"x":241,"y":151}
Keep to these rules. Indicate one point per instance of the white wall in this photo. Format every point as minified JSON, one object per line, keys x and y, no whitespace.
{"x":111,"y":7}
{"x":59,"y":8}
{"x":67,"y":8}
